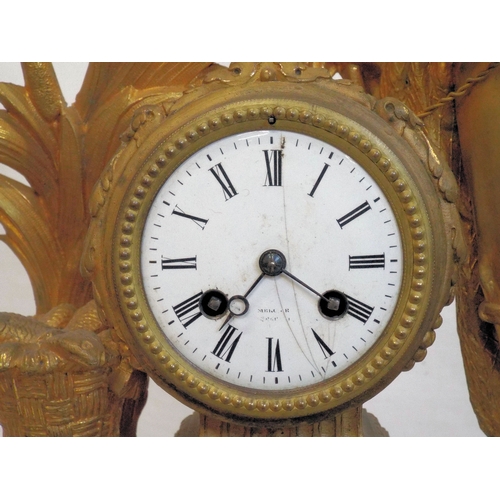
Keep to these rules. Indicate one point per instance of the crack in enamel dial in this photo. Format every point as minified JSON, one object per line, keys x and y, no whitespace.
{"x":272,"y":271}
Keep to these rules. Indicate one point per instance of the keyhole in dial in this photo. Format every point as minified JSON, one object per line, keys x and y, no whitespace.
{"x":336,"y":305}
{"x":213,"y":304}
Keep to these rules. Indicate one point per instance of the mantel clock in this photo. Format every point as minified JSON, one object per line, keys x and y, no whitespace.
{"x":274,"y":246}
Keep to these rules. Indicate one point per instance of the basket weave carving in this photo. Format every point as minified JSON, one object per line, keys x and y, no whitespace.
{"x":58,"y":404}
{"x":54,"y":382}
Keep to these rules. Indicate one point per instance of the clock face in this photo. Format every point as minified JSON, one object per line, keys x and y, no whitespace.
{"x":271,"y":260}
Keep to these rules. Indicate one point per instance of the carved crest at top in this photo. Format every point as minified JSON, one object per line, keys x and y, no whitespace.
{"x":238,"y":73}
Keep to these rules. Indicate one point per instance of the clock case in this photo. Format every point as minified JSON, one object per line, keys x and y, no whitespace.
{"x":383,"y":136}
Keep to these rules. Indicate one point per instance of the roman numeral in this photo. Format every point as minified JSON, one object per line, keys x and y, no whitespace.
{"x":273,"y":356}
{"x":313,"y":190}
{"x":358,"y":310}
{"x":353,"y":214}
{"x":188,"y":310}
{"x":327,"y":352}
{"x":220,"y":174}
{"x":197,"y":220}
{"x":186,"y":263}
{"x":225,"y":348}
{"x":273,"y":166}
{"x":366,"y":261}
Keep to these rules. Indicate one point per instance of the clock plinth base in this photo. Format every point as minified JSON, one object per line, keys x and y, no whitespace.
{"x":349,"y":423}
{"x":344,"y":424}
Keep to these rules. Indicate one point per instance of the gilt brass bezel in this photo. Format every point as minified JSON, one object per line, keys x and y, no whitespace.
{"x":395,"y":175}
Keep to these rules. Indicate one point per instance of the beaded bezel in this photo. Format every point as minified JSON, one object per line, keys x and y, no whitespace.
{"x":396,"y":345}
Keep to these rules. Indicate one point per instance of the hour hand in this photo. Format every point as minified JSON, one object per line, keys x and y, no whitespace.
{"x":238,"y":304}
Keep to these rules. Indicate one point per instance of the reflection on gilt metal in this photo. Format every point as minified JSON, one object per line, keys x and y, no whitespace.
{"x":340,"y":425}
{"x":65,"y":372}
{"x":61,"y":374}
{"x":62,"y":150}
{"x":478,"y":300}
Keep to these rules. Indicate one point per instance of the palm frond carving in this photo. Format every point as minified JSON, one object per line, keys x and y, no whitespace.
{"x":61,"y":150}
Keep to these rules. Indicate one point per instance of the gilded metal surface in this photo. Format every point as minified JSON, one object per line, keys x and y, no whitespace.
{"x":479,"y":292}
{"x":54,"y":375}
{"x":346,"y":423}
{"x":160,"y":142}
{"x":63,"y":151}
{"x":62,"y":374}
{"x":459,"y":103}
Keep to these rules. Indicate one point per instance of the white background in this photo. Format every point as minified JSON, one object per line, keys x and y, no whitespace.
{"x":430,"y":400}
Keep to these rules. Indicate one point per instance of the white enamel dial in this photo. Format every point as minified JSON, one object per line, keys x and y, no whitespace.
{"x":244,"y":244}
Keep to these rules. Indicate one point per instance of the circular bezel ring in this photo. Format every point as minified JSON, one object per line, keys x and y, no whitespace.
{"x":397,"y":177}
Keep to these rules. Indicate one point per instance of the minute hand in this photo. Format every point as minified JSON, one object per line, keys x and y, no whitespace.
{"x":333,"y":303}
